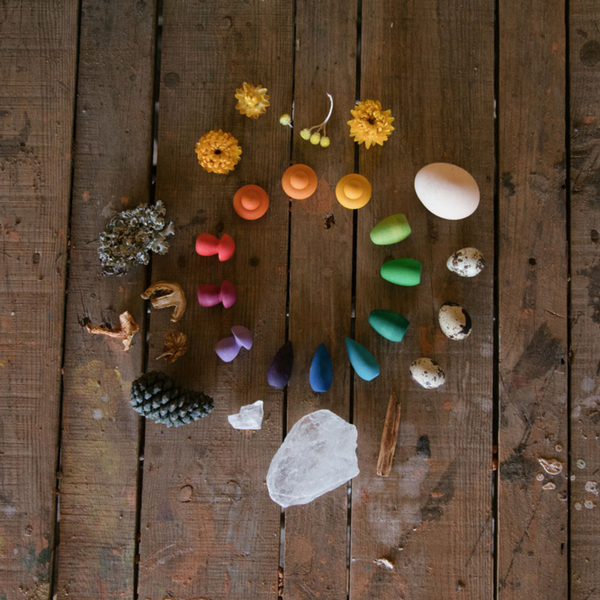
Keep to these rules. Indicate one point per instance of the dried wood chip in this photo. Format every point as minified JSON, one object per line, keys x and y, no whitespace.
{"x":552,"y":466}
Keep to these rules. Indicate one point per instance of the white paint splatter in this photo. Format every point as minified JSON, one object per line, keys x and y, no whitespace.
{"x":98,"y":414}
{"x":588,"y":384}
{"x":105,"y":398}
{"x":9,"y":511}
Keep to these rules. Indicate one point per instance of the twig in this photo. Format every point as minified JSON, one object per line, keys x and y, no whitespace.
{"x":389,"y":437}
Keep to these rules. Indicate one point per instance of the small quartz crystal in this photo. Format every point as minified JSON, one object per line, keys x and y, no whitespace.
{"x":249,"y":417}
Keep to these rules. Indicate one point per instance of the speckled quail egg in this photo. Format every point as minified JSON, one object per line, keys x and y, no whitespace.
{"x":427,"y":373}
{"x":455,"y":321}
{"x":466,"y":262}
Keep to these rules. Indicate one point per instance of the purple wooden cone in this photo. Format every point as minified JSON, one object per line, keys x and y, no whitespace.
{"x":280,"y":370}
{"x":227,"y":349}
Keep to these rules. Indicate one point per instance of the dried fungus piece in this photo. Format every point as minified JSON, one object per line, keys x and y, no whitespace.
{"x":170,"y":294}
{"x":125,"y":332}
{"x":552,"y":466}
{"x":176,"y":345}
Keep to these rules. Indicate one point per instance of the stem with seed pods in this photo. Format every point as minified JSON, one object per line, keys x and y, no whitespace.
{"x":315,"y":136}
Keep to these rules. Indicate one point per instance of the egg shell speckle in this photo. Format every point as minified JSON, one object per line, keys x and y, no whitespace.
{"x":427,"y":373}
{"x":466,"y":262}
{"x":455,"y":321}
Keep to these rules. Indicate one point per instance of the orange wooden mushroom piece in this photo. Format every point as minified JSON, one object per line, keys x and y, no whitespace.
{"x":299,"y":182}
{"x":251,"y":202}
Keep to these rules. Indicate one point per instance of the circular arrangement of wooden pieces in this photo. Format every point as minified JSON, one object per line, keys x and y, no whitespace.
{"x":446,"y":190}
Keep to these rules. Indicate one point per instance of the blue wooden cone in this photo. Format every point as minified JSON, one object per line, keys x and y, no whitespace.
{"x":364,"y":363}
{"x":321,"y":370}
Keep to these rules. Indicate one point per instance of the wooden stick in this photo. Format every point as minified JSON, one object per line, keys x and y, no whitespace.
{"x":389,"y":437}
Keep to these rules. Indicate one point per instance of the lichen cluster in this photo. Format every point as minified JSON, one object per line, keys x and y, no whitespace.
{"x":131,"y":235}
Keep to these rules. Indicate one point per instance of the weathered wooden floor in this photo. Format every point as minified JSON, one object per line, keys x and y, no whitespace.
{"x":100,"y":106}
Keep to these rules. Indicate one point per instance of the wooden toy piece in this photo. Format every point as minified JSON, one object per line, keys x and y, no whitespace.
{"x":321,"y":370}
{"x":402,"y":271}
{"x":209,"y":245}
{"x":280,"y":370}
{"x":228,"y":348}
{"x":299,"y":182}
{"x":211,"y":295}
{"x":391,"y":230}
{"x":251,"y":202}
{"x":389,"y":324}
{"x":353,"y":191}
{"x":363,"y":362}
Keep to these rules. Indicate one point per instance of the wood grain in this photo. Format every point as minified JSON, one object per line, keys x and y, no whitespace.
{"x":431,"y":64}
{"x":38,"y":47}
{"x":585,"y":285}
{"x":219,"y":539}
{"x":316,"y":535}
{"x":112,"y":172}
{"x":532,"y":279}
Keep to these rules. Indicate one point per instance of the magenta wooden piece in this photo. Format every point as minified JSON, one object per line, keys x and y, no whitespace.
{"x":209,"y":245}
{"x":211,"y":295}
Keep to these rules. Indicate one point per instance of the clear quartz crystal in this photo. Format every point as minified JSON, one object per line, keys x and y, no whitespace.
{"x":317,"y":456}
{"x":249,"y":417}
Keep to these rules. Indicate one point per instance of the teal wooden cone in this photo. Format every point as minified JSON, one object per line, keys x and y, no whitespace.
{"x":402,"y":271}
{"x":389,"y":324}
{"x":363,"y":362}
{"x":391,"y":230}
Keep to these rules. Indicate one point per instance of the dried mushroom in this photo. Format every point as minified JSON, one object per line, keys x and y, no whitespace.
{"x":125,"y":332}
{"x":176,"y":345}
{"x":131,"y":235}
{"x":169,"y":294}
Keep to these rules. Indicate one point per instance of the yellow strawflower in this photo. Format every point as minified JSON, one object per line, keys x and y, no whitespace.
{"x":218,"y":152}
{"x":370,"y":125}
{"x":252,"y":100}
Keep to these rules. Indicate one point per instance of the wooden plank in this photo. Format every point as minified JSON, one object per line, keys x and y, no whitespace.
{"x":224,"y":541}
{"x":431,"y":63}
{"x":38,"y":48}
{"x":112,"y":171}
{"x":585,"y":308}
{"x":532,"y":279}
{"x":316,"y":535}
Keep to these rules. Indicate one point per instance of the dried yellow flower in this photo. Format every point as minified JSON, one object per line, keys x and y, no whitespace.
{"x":218,"y":152}
{"x":252,"y":100}
{"x":370,"y":125}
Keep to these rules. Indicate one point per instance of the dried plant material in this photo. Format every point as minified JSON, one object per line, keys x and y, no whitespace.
{"x":170,"y":294}
{"x":578,"y":506}
{"x":589,"y":504}
{"x":371,"y":124}
{"x":552,"y":466}
{"x":252,"y":100}
{"x":131,"y":235}
{"x":591,"y":487}
{"x":549,"y":486}
{"x":176,"y":345}
{"x":540,"y":477}
{"x":389,"y":437}
{"x":125,"y":332}
{"x":580,"y":463}
{"x":384,"y":562}
{"x":218,"y":152}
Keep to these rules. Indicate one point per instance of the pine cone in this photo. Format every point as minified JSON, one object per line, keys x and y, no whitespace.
{"x":156,"y":396}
